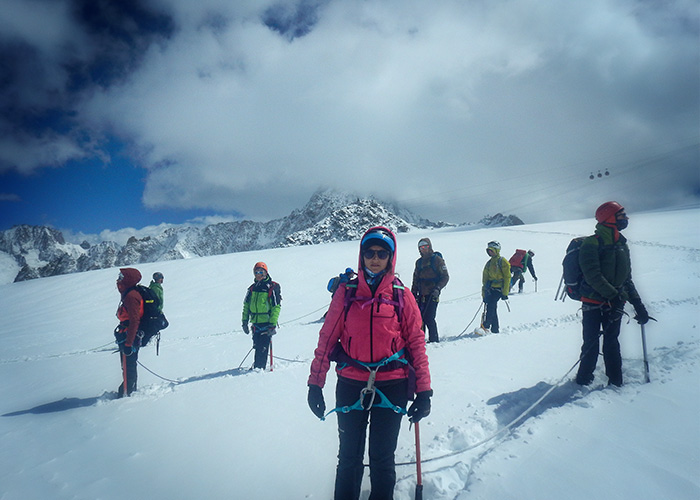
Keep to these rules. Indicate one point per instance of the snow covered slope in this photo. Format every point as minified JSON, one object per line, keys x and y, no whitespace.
{"x":216,"y":432}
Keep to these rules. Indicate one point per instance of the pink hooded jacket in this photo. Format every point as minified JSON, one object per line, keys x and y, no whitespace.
{"x":372,"y":332}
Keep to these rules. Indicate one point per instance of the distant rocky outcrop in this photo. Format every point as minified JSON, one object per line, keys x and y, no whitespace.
{"x":328,"y":216}
{"x":500,"y":220}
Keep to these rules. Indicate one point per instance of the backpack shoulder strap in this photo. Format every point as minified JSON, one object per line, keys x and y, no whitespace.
{"x":399,"y":290}
{"x":350,"y":291}
{"x":432,"y":262}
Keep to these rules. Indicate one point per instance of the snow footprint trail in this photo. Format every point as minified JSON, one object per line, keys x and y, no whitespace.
{"x":483,"y":423}
{"x":494,"y":428}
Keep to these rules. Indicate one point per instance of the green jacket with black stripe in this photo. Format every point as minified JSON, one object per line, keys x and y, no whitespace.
{"x":262,"y":302}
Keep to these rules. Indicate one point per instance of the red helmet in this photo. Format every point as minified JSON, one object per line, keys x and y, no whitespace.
{"x":261,"y":265}
{"x":607,"y":210}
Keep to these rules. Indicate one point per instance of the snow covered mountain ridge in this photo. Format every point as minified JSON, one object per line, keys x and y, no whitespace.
{"x":28,"y":252}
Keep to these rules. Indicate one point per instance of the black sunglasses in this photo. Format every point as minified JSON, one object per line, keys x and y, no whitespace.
{"x":381,"y":254}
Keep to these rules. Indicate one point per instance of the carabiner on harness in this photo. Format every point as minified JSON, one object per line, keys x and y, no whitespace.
{"x":369,"y":390}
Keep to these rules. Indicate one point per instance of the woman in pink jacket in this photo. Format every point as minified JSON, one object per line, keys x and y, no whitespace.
{"x":373,"y":331}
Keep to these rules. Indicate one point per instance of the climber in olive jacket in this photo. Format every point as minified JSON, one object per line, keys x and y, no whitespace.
{"x":606,"y":265}
{"x":605,"y":262}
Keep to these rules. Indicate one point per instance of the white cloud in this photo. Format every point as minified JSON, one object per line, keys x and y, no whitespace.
{"x":462,"y":108}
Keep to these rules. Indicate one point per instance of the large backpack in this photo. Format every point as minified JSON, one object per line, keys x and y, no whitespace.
{"x":153,"y":320}
{"x":517,"y":259}
{"x":573,"y":275}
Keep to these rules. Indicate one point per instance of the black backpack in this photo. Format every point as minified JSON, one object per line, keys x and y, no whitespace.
{"x":153,"y":320}
{"x":573,"y":275}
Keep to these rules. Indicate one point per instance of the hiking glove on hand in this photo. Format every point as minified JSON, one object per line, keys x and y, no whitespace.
{"x":316,"y":402}
{"x":642,"y":315}
{"x":245,"y":327}
{"x":127,"y":350}
{"x":617,"y":307}
{"x":271,"y":331}
{"x":435,"y":295}
{"x":420,"y":407}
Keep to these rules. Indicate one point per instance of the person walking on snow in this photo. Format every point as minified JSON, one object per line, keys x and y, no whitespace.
{"x":129,"y":315}
{"x":371,"y":341}
{"x":495,"y":284}
{"x":261,"y":306}
{"x":157,"y":286}
{"x":519,"y":262}
{"x":429,"y":278}
{"x":606,"y":265}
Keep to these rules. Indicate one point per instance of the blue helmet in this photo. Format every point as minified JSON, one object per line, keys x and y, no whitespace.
{"x":379,"y":236}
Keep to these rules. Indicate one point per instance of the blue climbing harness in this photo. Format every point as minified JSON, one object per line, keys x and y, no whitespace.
{"x":369,"y":391}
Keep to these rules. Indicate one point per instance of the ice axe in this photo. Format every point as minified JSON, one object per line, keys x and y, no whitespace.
{"x":644,"y":350}
{"x":271,"y":368}
{"x":124,"y":391}
{"x":646,"y":361}
{"x":419,"y":475}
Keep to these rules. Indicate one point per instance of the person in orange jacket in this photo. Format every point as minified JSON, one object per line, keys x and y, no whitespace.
{"x":129,"y":314}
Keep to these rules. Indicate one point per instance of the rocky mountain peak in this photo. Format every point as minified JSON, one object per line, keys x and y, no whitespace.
{"x":328,"y":216}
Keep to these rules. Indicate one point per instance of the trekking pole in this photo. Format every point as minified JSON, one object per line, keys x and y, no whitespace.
{"x":246,"y":357}
{"x":419,"y":475}
{"x":646,"y":361}
{"x":270,"y":353}
{"x":124,"y":392}
{"x":556,"y":296}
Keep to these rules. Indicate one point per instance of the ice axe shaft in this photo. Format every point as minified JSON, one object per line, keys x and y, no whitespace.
{"x":419,"y":474}
{"x":124,"y":391}
{"x":271,"y":368}
{"x":646,"y":360}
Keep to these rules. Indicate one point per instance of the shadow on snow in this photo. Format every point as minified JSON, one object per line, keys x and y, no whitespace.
{"x":73,"y":403}
{"x":512,"y":405}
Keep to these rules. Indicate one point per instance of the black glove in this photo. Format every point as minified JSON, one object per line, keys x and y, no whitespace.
{"x":245,"y":327}
{"x":435,"y":295}
{"x":642,"y":316}
{"x":420,"y":407}
{"x":316,"y":402}
{"x":270,"y":331}
{"x":617,"y":307}
{"x":127,"y":350}
{"x":504,"y":296}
